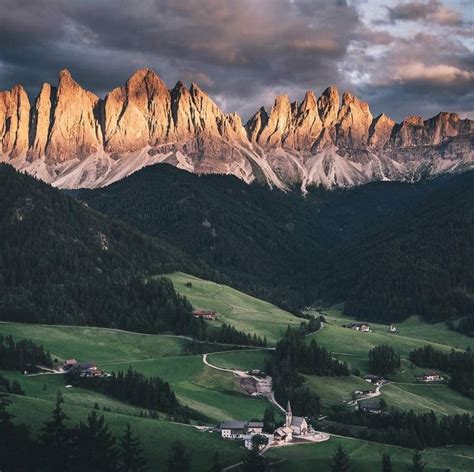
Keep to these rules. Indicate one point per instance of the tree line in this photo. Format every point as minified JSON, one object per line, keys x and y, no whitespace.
{"x":22,"y":355}
{"x":130,"y":387}
{"x":293,"y":358}
{"x":88,"y":445}
{"x":407,"y":428}
{"x":383,"y":360}
{"x":459,"y":365}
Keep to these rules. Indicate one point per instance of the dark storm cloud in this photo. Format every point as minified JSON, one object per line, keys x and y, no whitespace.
{"x":432,"y":11}
{"x":242,"y":52}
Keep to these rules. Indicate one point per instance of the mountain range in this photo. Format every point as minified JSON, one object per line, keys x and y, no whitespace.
{"x":71,"y":138}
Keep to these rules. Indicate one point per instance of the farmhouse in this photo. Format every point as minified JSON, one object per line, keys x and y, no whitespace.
{"x":374,"y":379}
{"x":365,"y":328}
{"x":393,"y":329}
{"x":236,"y":429}
{"x":429,"y":377}
{"x":205,"y":314}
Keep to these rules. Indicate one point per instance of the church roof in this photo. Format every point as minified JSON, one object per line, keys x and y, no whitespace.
{"x":297,"y":421}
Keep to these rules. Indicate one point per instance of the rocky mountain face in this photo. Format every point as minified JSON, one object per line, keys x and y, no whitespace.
{"x":71,"y":138}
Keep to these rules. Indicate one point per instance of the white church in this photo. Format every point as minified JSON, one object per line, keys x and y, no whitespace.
{"x":294,"y":426}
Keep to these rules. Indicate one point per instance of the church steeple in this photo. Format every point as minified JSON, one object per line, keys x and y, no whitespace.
{"x":289,"y":415}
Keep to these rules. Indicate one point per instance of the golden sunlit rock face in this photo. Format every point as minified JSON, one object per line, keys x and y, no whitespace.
{"x":72,"y":138}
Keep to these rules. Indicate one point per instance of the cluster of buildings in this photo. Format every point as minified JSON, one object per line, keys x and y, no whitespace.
{"x":363,"y":327}
{"x":429,"y":377}
{"x":295,"y":426}
{"x":205,"y":314}
{"x":85,"y":369}
{"x":375,"y":380}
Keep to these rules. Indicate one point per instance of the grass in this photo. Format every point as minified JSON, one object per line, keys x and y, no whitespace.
{"x":244,"y":360}
{"x":96,"y":344}
{"x":425,"y":397}
{"x":335,"y":390}
{"x":366,"y":456}
{"x":214,"y":394}
{"x":243,"y":311}
{"x":156,"y":436}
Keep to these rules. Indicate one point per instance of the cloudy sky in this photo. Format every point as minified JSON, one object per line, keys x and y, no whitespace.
{"x":402,"y":56}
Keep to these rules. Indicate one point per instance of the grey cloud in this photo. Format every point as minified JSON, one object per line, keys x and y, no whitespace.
{"x":242,"y":52}
{"x":432,"y":11}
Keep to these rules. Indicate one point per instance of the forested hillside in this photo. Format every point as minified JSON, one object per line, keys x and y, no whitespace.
{"x":420,"y":264}
{"x":62,"y":262}
{"x":388,"y":249}
{"x":268,"y":243}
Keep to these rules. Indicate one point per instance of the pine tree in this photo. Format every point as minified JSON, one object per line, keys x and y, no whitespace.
{"x":95,"y":444}
{"x":55,"y":437}
{"x":386,"y":463}
{"x":131,"y":454}
{"x":254,"y":462}
{"x":418,"y":465}
{"x":179,"y":459}
{"x":341,"y":461}
{"x":269,"y":420}
{"x":216,"y":466}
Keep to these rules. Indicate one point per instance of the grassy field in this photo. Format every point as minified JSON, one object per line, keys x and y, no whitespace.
{"x":366,"y":457}
{"x":246,"y":313}
{"x":413,"y":327}
{"x":245,"y":360}
{"x":210,"y":392}
{"x":96,"y":344}
{"x":353,"y":346}
{"x":425,"y":397}
{"x":335,"y":390}
{"x":156,"y":436}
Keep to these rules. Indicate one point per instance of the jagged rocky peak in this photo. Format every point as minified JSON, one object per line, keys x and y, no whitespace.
{"x":14,"y":121}
{"x":307,"y":125}
{"x":443,"y":125}
{"x":136,"y":114}
{"x":41,"y":121}
{"x":380,"y":131}
{"x":328,"y":106}
{"x":354,"y":120}
{"x":74,"y":128}
{"x":278,"y":124}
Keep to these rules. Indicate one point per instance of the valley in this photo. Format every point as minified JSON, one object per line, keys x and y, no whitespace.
{"x":218,"y":396}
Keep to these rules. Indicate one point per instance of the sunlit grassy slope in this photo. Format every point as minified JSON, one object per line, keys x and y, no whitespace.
{"x":243,"y":311}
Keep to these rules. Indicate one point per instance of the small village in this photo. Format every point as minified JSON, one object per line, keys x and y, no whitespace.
{"x":296,"y":429}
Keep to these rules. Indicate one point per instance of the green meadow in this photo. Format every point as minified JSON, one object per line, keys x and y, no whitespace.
{"x":366,"y":457}
{"x":243,"y":311}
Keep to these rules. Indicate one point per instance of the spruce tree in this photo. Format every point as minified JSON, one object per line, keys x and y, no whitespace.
{"x":130,"y":453}
{"x":386,"y":463}
{"x":95,"y":445}
{"x":216,"y":466}
{"x":55,"y":438}
{"x":179,"y":459}
{"x":254,"y":462}
{"x":269,"y":420}
{"x":341,"y":461}
{"x":418,"y":465}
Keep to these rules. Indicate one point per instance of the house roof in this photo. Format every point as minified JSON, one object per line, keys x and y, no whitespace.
{"x":255,"y":424}
{"x":297,"y":421}
{"x":232,"y":425}
{"x":284,"y":431}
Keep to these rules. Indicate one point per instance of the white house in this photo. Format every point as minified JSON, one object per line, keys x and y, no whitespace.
{"x":232,"y":429}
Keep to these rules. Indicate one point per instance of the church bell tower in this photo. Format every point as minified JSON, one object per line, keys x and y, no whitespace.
{"x":289,"y":415}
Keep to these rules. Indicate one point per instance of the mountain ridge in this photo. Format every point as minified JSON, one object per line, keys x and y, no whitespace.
{"x":71,"y":138}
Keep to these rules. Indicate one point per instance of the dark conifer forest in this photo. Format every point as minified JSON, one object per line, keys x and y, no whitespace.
{"x":63,"y":262}
{"x":388,"y":249}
